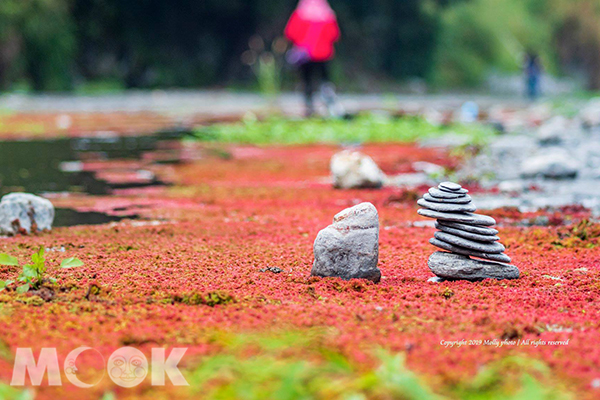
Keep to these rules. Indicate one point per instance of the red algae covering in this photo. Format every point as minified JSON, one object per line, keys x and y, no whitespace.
{"x":228,"y":219}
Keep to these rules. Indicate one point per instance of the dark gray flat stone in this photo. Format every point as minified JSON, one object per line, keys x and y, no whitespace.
{"x":467,"y":235}
{"x":459,"y":200}
{"x":455,"y":266}
{"x":491,"y":248}
{"x":469,"y":218}
{"x":461,"y":190}
{"x":446,"y":207}
{"x":440,"y":194}
{"x":450,"y":186}
{"x":467,"y":252}
{"x":469,"y":228}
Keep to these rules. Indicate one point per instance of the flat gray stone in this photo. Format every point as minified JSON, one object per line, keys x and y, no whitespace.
{"x":459,"y":200}
{"x":469,"y":228}
{"x":467,"y":235}
{"x":469,"y":218}
{"x":24,"y":213}
{"x":446,"y":207}
{"x":455,"y":266}
{"x":450,"y":186}
{"x":349,"y":248}
{"x":467,"y":252}
{"x":459,"y":190}
{"x":491,"y":248}
{"x":440,"y":194}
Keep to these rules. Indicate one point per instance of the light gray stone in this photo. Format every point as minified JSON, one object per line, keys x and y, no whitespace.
{"x":491,"y":248}
{"x":460,"y":200}
{"x":467,"y":235}
{"x":25,"y":212}
{"x":467,"y":252}
{"x":354,"y":170}
{"x":440,"y":194}
{"x":446,"y":207}
{"x":461,"y":191}
{"x":450,"y":186}
{"x":554,"y":162}
{"x":455,"y":266}
{"x":469,"y":218}
{"x":469,"y":228}
{"x":349,"y":248}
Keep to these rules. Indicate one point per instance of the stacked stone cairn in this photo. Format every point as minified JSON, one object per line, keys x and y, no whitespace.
{"x":463,"y":234}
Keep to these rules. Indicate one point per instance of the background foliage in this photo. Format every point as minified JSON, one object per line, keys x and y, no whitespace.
{"x":62,"y":44}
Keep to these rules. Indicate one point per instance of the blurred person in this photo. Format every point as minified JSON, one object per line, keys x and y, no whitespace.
{"x":313,"y":30}
{"x":533,"y":72}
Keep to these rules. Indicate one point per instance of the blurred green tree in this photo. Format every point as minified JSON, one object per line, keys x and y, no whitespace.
{"x":480,"y":35}
{"x":577,"y":37}
{"x":57,"y":44}
{"x":37,"y":43}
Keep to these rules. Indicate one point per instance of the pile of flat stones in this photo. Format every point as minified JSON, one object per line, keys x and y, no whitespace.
{"x":463,"y":234}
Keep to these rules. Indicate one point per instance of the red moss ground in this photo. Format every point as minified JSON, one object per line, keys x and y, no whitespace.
{"x":228,"y":219}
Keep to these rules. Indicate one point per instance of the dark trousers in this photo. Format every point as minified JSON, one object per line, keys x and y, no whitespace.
{"x":312,"y":74}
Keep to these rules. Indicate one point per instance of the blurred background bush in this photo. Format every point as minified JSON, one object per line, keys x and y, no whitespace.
{"x":57,"y":45}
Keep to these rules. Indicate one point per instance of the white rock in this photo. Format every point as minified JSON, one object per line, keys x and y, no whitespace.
{"x":354,"y":170}
{"x":428,"y":168}
{"x":553,"y":162}
{"x":22,"y":212}
{"x":553,"y":131}
{"x":590,"y":114}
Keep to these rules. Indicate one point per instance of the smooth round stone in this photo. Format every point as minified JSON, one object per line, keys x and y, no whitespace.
{"x":465,"y":234}
{"x":492,"y":248}
{"x":469,"y":218}
{"x":455,"y":266}
{"x":469,"y":228}
{"x":460,"y":200}
{"x":461,"y":190}
{"x":445,"y":207}
{"x":450,"y":186}
{"x":440,"y":194}
{"x":467,"y":252}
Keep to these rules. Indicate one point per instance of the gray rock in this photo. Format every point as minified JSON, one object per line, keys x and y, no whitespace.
{"x":445,"y":207}
{"x":354,"y":170}
{"x":349,"y":248}
{"x":469,"y":228}
{"x":467,"y":252}
{"x":450,"y":186}
{"x":469,"y":218}
{"x":491,"y":248}
{"x":454,"y":266}
{"x":554,"y":162}
{"x":460,"y":200}
{"x":467,"y":235}
{"x":440,"y":194}
{"x":24,"y":212}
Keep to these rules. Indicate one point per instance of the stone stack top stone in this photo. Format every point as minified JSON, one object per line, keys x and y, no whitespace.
{"x":463,"y":234}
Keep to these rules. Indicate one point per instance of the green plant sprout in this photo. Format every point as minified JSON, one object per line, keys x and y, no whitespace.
{"x":32,"y":275}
